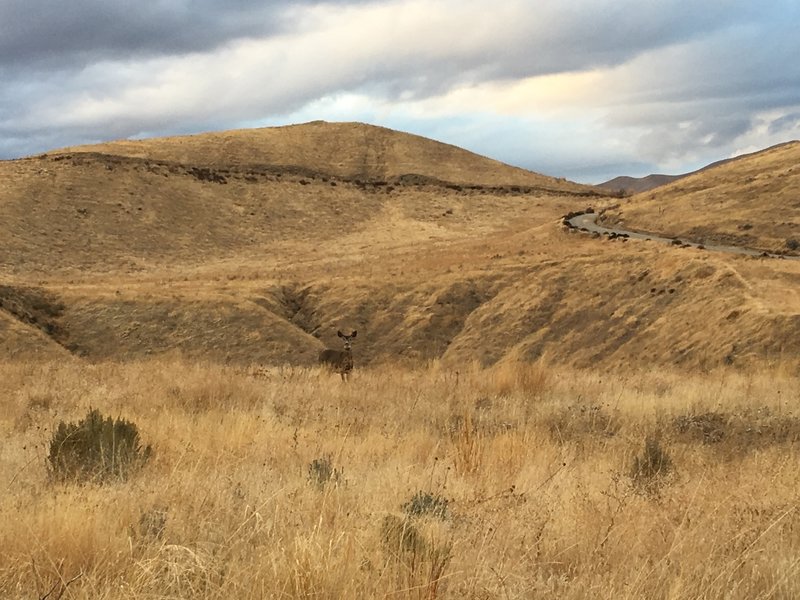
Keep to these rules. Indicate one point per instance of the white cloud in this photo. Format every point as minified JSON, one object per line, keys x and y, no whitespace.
{"x":550,"y":85}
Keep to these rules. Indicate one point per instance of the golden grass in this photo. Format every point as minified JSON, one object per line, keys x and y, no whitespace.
{"x":533,"y":463}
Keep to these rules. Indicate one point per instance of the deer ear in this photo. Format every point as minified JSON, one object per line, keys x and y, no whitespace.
{"x":340,"y":334}
{"x":352,"y":335}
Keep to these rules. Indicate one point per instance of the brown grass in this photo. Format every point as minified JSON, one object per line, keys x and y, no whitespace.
{"x":535,"y":464}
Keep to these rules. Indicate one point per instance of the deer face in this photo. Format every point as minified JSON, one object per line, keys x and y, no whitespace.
{"x":339,"y":360}
{"x":347,"y":339}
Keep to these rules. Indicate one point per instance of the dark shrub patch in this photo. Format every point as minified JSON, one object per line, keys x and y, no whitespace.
{"x":96,"y":448}
{"x":651,"y":467}
{"x":321,"y":472}
{"x":426,"y":503}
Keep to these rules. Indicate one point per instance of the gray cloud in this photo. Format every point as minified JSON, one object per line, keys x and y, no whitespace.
{"x":785,"y":123}
{"x":516,"y":39}
{"x":508,"y":39}
{"x":694,"y":102}
{"x":681,"y":78}
{"x":41,"y":34}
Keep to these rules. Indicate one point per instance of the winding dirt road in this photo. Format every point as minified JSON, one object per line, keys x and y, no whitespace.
{"x":588,"y":222}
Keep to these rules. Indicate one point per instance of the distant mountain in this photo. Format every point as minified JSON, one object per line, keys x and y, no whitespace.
{"x":634,"y":185}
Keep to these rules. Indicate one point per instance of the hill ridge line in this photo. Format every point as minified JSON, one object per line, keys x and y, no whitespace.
{"x":215,"y":173}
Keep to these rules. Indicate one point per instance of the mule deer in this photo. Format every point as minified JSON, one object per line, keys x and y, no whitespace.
{"x":340,"y":361}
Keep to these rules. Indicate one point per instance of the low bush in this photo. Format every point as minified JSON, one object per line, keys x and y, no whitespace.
{"x":427,"y":503}
{"x":96,"y":448}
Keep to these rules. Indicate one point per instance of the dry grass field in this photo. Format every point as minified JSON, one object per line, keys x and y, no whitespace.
{"x":534,"y":412}
{"x":513,"y":482}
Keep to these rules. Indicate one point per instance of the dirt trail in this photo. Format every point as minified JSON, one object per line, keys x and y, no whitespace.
{"x":588,"y":222}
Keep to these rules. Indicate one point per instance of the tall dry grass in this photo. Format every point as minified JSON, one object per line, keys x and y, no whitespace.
{"x":284,"y":483}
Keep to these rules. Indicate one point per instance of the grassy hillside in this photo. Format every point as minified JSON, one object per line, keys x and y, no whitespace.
{"x":343,"y":150}
{"x":751,"y":201}
{"x":134,"y":206}
{"x":142,"y":254}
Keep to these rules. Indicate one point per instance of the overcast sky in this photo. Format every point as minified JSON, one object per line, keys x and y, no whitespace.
{"x":584,"y":89}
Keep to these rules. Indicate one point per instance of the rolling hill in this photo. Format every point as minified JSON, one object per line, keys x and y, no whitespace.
{"x":131,"y":206}
{"x":752,"y":200}
{"x":255,"y":246}
{"x":351,"y":151}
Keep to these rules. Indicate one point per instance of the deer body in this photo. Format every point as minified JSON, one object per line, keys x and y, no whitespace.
{"x":340,"y":361}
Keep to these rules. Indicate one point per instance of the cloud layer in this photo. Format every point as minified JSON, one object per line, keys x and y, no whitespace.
{"x":585,"y":89}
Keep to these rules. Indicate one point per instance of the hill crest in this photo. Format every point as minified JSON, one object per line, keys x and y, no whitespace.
{"x":348,"y":150}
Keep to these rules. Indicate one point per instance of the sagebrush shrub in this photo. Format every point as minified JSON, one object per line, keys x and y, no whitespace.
{"x":96,"y":448}
{"x":426,"y":503}
{"x":400,"y":535}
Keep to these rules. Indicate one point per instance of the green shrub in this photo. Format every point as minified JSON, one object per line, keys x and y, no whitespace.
{"x":96,"y":448}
